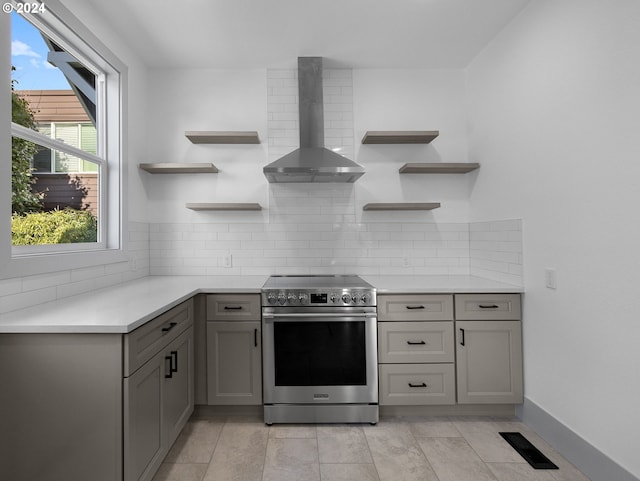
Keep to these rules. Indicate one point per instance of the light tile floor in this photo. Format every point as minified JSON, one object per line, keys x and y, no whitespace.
{"x":396,"y":449}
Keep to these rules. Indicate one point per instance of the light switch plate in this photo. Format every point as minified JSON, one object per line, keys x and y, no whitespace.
{"x":550,"y":280}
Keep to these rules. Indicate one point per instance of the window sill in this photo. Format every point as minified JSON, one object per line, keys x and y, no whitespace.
{"x":46,"y":263}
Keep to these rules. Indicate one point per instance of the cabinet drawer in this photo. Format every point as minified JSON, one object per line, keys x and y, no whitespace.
{"x":416,"y":384}
{"x":493,"y":307}
{"x":143,"y":343}
{"x":406,"y":342}
{"x":233,"y":307}
{"x":415,"y":307}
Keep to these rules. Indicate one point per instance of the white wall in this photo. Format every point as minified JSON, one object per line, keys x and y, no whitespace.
{"x":554,"y":121}
{"x":412,"y":99}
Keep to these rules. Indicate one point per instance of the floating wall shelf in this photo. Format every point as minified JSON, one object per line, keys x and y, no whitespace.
{"x":403,"y":206}
{"x":179,"y":168}
{"x":223,"y":206}
{"x":400,"y":136}
{"x":220,"y":137}
{"x":439,"y":168}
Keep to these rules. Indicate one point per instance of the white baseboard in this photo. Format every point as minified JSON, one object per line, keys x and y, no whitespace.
{"x":587,"y":458}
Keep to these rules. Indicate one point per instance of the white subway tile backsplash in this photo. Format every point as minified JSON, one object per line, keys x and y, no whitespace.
{"x":312,"y":228}
{"x":19,"y":293}
{"x":495,"y":250}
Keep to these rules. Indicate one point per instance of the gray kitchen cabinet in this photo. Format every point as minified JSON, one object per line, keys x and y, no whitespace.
{"x":415,"y":307}
{"x":233,"y":307}
{"x":415,"y":342}
{"x":417,"y":384}
{"x":158,"y":395}
{"x":61,"y":400}
{"x":489,"y":362}
{"x":491,"y":307}
{"x":234,"y":349}
{"x":489,"y":348}
{"x":158,"y":401}
{"x":234,"y":363}
{"x":416,"y":349}
{"x":95,"y":406}
{"x":143,"y":420}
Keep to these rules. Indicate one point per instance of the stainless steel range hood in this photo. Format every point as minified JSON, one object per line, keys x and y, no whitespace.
{"x":312,"y":162}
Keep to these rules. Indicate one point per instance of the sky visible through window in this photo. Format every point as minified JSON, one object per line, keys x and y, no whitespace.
{"x":29,"y":57}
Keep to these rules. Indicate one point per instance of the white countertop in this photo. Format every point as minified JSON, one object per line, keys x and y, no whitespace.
{"x":123,"y":308}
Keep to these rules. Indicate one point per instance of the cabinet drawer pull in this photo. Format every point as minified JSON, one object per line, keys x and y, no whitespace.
{"x":416,"y":343}
{"x":255,"y":337}
{"x":171,"y":326}
{"x":232,"y":308}
{"x":422,"y":384}
{"x":168,"y":372}
{"x":414,"y":307}
{"x":488,"y":306}
{"x":461,"y":337}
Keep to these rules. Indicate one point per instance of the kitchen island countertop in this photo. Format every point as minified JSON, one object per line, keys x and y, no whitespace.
{"x":124,"y":307}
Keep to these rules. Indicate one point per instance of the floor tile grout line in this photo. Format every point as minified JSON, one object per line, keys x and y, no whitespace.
{"x":415,"y":440}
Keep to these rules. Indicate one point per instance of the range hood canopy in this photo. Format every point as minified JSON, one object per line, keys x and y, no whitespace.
{"x":312,"y":162}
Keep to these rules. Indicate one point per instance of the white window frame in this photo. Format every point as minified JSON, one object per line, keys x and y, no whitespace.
{"x":17,"y":261}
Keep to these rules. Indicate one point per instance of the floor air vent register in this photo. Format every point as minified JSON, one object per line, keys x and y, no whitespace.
{"x":528,"y":451}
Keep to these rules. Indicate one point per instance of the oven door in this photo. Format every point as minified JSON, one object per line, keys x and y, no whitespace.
{"x":320,"y":356}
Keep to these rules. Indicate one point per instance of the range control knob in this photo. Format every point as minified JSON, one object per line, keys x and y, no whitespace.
{"x":272,"y":298}
{"x":346,"y":298}
{"x":303,"y":298}
{"x":355,"y":298}
{"x":292,"y":298}
{"x":364,"y":299}
{"x":333,"y":297}
{"x":282,"y":299}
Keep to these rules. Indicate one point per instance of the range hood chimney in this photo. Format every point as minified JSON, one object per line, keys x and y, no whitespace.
{"x":312,"y":162}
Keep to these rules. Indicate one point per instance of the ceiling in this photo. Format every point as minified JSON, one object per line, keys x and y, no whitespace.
{"x":273,"y":33}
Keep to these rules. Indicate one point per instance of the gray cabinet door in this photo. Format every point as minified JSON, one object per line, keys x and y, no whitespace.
{"x":177,"y":404}
{"x":143,"y":420}
{"x":234,"y":362}
{"x":489,"y":362}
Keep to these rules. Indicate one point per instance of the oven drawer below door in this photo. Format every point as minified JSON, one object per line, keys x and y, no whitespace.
{"x":416,"y":384}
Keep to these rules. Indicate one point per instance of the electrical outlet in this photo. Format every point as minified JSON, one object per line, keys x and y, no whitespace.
{"x":227,"y":261}
{"x":406,"y":262}
{"x":550,"y":280}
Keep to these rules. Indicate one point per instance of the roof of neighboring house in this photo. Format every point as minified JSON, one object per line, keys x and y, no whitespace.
{"x":55,"y":105}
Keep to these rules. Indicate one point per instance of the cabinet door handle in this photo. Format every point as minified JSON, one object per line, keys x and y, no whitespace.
{"x":174,"y":361}
{"x":168,"y":372}
{"x":255,"y":337}
{"x":171,"y":326}
{"x":488,"y":306}
{"x":414,"y":307}
{"x":422,"y":384}
{"x":416,"y":343}
{"x":232,"y":308}
{"x":461,"y":337}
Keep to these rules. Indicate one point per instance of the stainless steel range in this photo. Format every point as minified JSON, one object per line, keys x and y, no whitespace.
{"x":320,"y":357}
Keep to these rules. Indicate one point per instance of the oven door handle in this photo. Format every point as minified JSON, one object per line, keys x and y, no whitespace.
{"x":308,"y":315}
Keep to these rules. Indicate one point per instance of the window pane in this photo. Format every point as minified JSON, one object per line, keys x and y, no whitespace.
{"x":52,"y":208}
{"x":54,"y":85}
{"x":42,"y":159}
